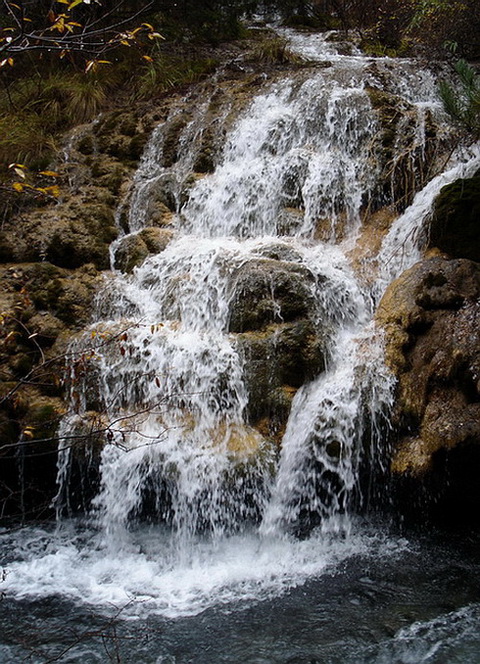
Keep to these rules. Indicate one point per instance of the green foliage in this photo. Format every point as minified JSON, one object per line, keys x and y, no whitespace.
{"x":462,"y":103}
{"x":24,"y":139}
{"x":37,"y":108}
{"x":274,"y":50}
{"x":167,"y":72}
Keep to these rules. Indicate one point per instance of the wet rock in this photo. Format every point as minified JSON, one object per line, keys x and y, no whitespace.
{"x":405,"y":161}
{"x":278,"y":360}
{"x":131,"y":251}
{"x":171,"y":139}
{"x":134,"y":249}
{"x":455,"y":222}
{"x":432,"y":322}
{"x":268,"y":291}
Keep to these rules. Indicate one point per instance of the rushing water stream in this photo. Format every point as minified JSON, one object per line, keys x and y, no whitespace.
{"x":189,"y":552}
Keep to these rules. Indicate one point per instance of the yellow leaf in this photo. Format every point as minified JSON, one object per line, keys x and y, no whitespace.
{"x":28,"y":432}
{"x":74,"y":3}
{"x":50,"y":174}
{"x":147,"y":25}
{"x":18,"y":186}
{"x":54,"y":190}
{"x":147,"y":58}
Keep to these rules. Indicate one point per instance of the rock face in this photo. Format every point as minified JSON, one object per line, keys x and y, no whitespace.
{"x":51,"y":256}
{"x":406,"y":163}
{"x":432,"y":322}
{"x":268,"y":291}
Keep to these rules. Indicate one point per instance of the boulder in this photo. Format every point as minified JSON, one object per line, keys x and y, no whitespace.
{"x":265,"y":291}
{"x":134,"y":249}
{"x":455,"y":222}
{"x":278,"y":360}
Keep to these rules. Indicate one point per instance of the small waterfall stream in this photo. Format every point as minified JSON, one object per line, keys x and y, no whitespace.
{"x":197,"y":504}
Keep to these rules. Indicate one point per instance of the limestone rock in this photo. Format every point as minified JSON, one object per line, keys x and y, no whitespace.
{"x":432,"y":322}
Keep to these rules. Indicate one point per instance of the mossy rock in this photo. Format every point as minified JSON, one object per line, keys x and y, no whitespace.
{"x":455,"y":223}
{"x":46,"y":327}
{"x":405,"y":164}
{"x":130,"y":253}
{"x":65,"y":294}
{"x":69,"y":235}
{"x":71,"y":246}
{"x":278,"y":360}
{"x":171,"y":139}
{"x":266,"y":291}
{"x":134,"y":249}
{"x":30,"y":493}
{"x":431,"y":320}
{"x":6,"y":248}
{"x":86,"y":145}
{"x":205,"y":159}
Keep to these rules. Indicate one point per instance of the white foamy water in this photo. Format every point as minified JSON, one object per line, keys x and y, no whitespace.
{"x":145,"y":575}
{"x":168,"y":375}
{"x":402,"y":246}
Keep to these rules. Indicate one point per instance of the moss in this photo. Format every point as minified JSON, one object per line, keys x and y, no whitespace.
{"x":388,"y":107}
{"x":128,"y":124}
{"x":43,"y":417}
{"x":6,"y":248}
{"x":274,"y":51}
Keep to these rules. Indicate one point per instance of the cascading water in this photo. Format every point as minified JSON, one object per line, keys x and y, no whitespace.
{"x":169,"y":371}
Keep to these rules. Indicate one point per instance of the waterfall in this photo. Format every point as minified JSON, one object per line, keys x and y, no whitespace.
{"x":197,"y":502}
